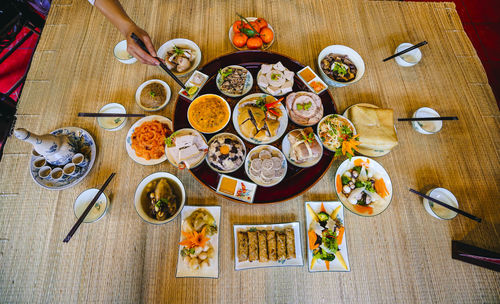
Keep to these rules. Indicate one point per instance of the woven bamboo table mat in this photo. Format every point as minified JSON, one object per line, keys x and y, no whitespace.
{"x":402,"y":255}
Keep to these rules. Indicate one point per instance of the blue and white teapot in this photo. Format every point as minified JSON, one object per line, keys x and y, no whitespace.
{"x":56,"y":149}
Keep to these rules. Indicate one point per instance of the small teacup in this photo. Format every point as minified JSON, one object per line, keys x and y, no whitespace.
{"x":71,"y":169}
{"x":44,"y":172}
{"x":80,"y":160}
{"x":39,"y":162}
{"x":56,"y":174}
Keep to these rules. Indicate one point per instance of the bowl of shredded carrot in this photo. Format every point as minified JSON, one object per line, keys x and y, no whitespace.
{"x":145,"y":141}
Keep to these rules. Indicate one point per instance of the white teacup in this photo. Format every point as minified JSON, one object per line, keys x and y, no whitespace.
{"x":44,"y":172}
{"x":39,"y":162}
{"x":80,"y":160}
{"x":56,"y":174}
{"x":71,"y":169}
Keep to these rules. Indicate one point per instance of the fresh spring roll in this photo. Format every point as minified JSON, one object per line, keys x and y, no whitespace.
{"x":253,"y":246}
{"x":242,"y":246}
{"x":290,"y":243}
{"x":281,"y":245}
{"x":262,"y":246}
{"x":271,"y":244}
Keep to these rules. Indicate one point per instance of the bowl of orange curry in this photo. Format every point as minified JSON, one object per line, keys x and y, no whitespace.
{"x":209,"y":113}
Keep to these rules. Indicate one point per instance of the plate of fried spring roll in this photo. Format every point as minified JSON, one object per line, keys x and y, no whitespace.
{"x":326,"y":242}
{"x":273,"y":245}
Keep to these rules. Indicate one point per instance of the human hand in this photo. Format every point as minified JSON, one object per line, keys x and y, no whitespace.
{"x":135,"y":50}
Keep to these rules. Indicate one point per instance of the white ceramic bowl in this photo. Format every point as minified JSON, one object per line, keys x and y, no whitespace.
{"x":205,"y":96}
{"x":265,"y":46}
{"x":445,"y":196}
{"x":180,"y":42}
{"x":285,"y":147}
{"x":112,"y":108}
{"x":342,"y":50}
{"x":248,"y":82}
{"x":410,"y":58}
{"x":137,"y":198}
{"x":321,"y":122}
{"x":234,"y":137}
{"x":83,"y":200}
{"x":258,"y":181}
{"x":121,"y":54}
{"x":143,"y":85}
{"x":421,"y":126}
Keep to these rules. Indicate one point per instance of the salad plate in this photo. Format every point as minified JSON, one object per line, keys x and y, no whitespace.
{"x":363,"y":186}
{"x":297,"y":180}
{"x":197,"y":261}
{"x":249,"y":241}
{"x":327,"y":244}
{"x":81,"y":141}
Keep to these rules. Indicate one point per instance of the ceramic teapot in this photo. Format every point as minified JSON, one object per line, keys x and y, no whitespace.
{"x":56,"y":149}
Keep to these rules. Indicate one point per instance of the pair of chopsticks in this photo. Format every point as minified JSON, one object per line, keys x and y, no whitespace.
{"x":429,"y":118}
{"x":446,"y":206}
{"x":87,"y":210}
{"x":83,"y":114}
{"x":416,"y":46}
{"x":162,"y":65}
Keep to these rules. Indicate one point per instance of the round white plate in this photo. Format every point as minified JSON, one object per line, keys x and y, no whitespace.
{"x":81,"y":141}
{"x":162,"y":52}
{"x":186,"y":131}
{"x":258,"y":181}
{"x":323,"y":119}
{"x":246,"y":88}
{"x":374,"y":167}
{"x":285,"y":147}
{"x":128,"y":140}
{"x":281,"y":130}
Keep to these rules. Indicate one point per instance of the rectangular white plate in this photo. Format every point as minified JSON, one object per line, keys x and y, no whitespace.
{"x":320,"y":264}
{"x":298,"y":261}
{"x":212,"y":271}
{"x":248,"y":195}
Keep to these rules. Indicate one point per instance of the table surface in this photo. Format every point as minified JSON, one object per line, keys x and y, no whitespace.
{"x":402,"y":255}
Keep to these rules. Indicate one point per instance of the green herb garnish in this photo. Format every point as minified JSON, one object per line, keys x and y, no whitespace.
{"x":261,"y":103}
{"x":178,"y":51}
{"x":339,"y":68}
{"x":117,"y":120}
{"x":304,"y":106}
{"x":275,"y":76}
{"x":253,"y":229}
{"x":170,"y":141}
{"x":225,"y":73}
{"x":152,"y":93}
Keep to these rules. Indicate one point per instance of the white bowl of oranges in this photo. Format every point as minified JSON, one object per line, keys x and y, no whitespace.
{"x":251,"y":33}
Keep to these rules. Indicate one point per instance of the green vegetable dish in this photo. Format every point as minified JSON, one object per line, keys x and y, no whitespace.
{"x":325,"y":234}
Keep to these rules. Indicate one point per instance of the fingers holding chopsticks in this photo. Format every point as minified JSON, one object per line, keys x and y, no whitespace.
{"x":136,"y":50}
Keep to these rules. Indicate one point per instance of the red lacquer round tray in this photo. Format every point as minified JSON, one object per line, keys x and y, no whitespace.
{"x":297,"y":180}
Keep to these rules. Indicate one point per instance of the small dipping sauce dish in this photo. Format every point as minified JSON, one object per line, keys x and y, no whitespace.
{"x":426,"y":126}
{"x":120,"y":52}
{"x":112,"y":123}
{"x":438,"y":211}
{"x":410,"y":58}
{"x":99,"y":209}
